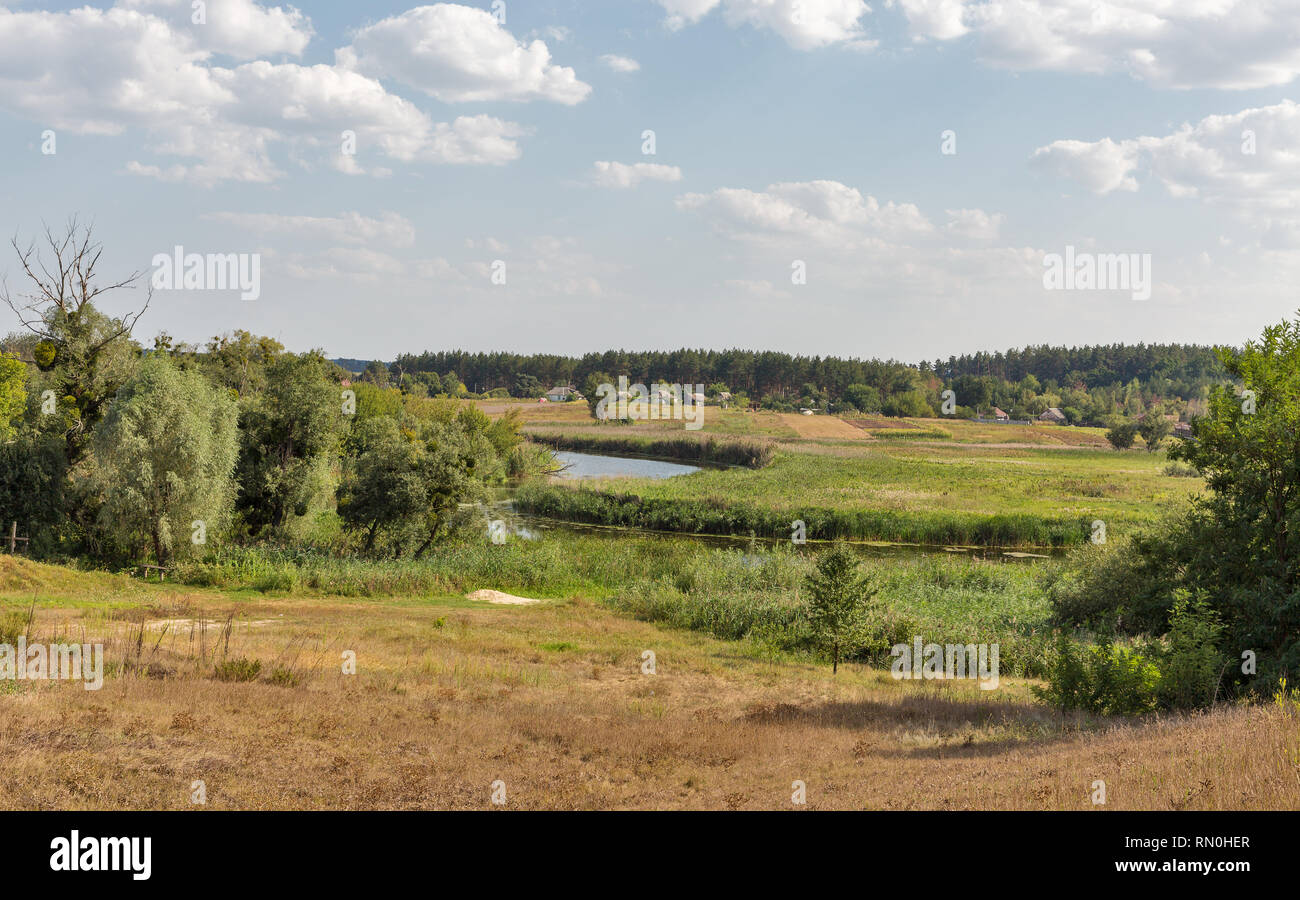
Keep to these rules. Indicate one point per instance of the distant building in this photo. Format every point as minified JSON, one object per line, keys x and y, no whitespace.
{"x":1183,"y":430}
{"x":1000,"y":415}
{"x":560,"y":394}
{"x":1054,"y":416}
{"x":724,"y":399}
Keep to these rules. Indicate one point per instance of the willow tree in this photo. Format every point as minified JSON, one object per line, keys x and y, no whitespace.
{"x":166,"y":451}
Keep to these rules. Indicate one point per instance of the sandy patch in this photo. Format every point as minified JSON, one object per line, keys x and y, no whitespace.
{"x":186,"y":624}
{"x":502,"y":598}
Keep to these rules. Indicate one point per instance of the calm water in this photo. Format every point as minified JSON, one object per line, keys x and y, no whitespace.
{"x":591,"y":465}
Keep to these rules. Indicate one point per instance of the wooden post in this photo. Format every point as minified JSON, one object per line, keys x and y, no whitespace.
{"x":14,"y":538}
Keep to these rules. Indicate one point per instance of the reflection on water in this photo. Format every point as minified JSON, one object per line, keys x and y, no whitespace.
{"x":592,"y":465}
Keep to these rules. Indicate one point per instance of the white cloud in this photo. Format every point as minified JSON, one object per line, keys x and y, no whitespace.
{"x":622,"y":175}
{"x":242,"y":29}
{"x":804,"y":24}
{"x":620,"y":63}
{"x":1208,"y":160}
{"x":1101,"y":166}
{"x":975,"y":224}
{"x":939,"y":19}
{"x":460,"y":54}
{"x":104,"y":71}
{"x":1228,"y":44}
{"x":390,"y":229}
{"x":824,"y":211}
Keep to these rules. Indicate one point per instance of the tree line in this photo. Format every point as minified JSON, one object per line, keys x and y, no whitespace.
{"x":117,"y":452}
{"x":1091,"y":385}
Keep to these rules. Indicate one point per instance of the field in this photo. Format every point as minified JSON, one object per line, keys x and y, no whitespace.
{"x":923,"y":481}
{"x":451,"y":695}
{"x":229,"y":681}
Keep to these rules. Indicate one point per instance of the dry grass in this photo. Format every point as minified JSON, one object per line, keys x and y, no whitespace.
{"x":450,"y":696}
{"x":824,"y":428}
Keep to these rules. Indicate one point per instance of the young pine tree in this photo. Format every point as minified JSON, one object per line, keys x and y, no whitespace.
{"x":839,"y":597}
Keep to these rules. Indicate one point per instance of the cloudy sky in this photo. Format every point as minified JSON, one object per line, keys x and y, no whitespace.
{"x":385,"y":160}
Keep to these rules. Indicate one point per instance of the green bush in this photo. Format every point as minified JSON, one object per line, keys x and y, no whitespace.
{"x":1191,"y":664}
{"x":1104,"y":678}
{"x":239,"y":669}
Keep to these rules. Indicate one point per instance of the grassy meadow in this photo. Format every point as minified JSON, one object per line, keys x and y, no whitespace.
{"x":918,"y":481}
{"x":451,"y":695}
{"x":232,"y":671}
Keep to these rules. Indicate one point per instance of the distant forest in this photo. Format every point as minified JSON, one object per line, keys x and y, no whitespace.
{"x":1091,"y":385}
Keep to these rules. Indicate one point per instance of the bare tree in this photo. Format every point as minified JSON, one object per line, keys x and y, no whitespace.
{"x":64,"y":286}
{"x":88,"y":352}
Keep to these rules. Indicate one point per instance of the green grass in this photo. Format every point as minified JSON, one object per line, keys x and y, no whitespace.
{"x":755,"y":595}
{"x":892,"y":491}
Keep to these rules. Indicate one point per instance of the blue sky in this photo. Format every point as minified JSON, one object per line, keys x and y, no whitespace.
{"x":785,"y":130}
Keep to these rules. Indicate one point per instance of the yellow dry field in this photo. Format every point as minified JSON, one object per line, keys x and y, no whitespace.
{"x":823,"y":428}
{"x":550,"y":700}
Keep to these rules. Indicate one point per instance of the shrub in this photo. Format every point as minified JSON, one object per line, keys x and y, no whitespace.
{"x":239,"y":669}
{"x":1103,"y":678}
{"x":1191,"y":665}
{"x":284,"y":676}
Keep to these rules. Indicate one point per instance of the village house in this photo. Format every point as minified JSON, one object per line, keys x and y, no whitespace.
{"x":1053,"y":416}
{"x":1000,"y":415}
{"x":560,"y":394}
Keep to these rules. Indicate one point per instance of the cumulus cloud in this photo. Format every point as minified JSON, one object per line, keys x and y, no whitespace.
{"x":241,"y":29}
{"x":804,"y":24}
{"x":620,"y":63}
{"x":622,"y":175}
{"x":96,"y":71}
{"x":460,"y":54}
{"x":975,"y":224}
{"x":1228,"y":44}
{"x":1101,"y":166}
{"x":1246,"y":160}
{"x":825,"y":211}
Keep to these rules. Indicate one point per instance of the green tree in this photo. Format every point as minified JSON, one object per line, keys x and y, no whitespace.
{"x":86,"y":354}
{"x":239,"y":361}
{"x":376,"y":373}
{"x":838,"y":604}
{"x":864,"y":397}
{"x":13,"y":394}
{"x":408,"y":482}
{"x":1122,"y":435}
{"x":527,"y":386}
{"x":382,"y":489}
{"x":590,"y":388}
{"x":286,"y":434}
{"x":1247,"y":560}
{"x":165,"y":451}
{"x":1154,"y":428}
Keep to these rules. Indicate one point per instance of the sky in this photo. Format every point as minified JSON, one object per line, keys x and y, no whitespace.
{"x":821,"y":177}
